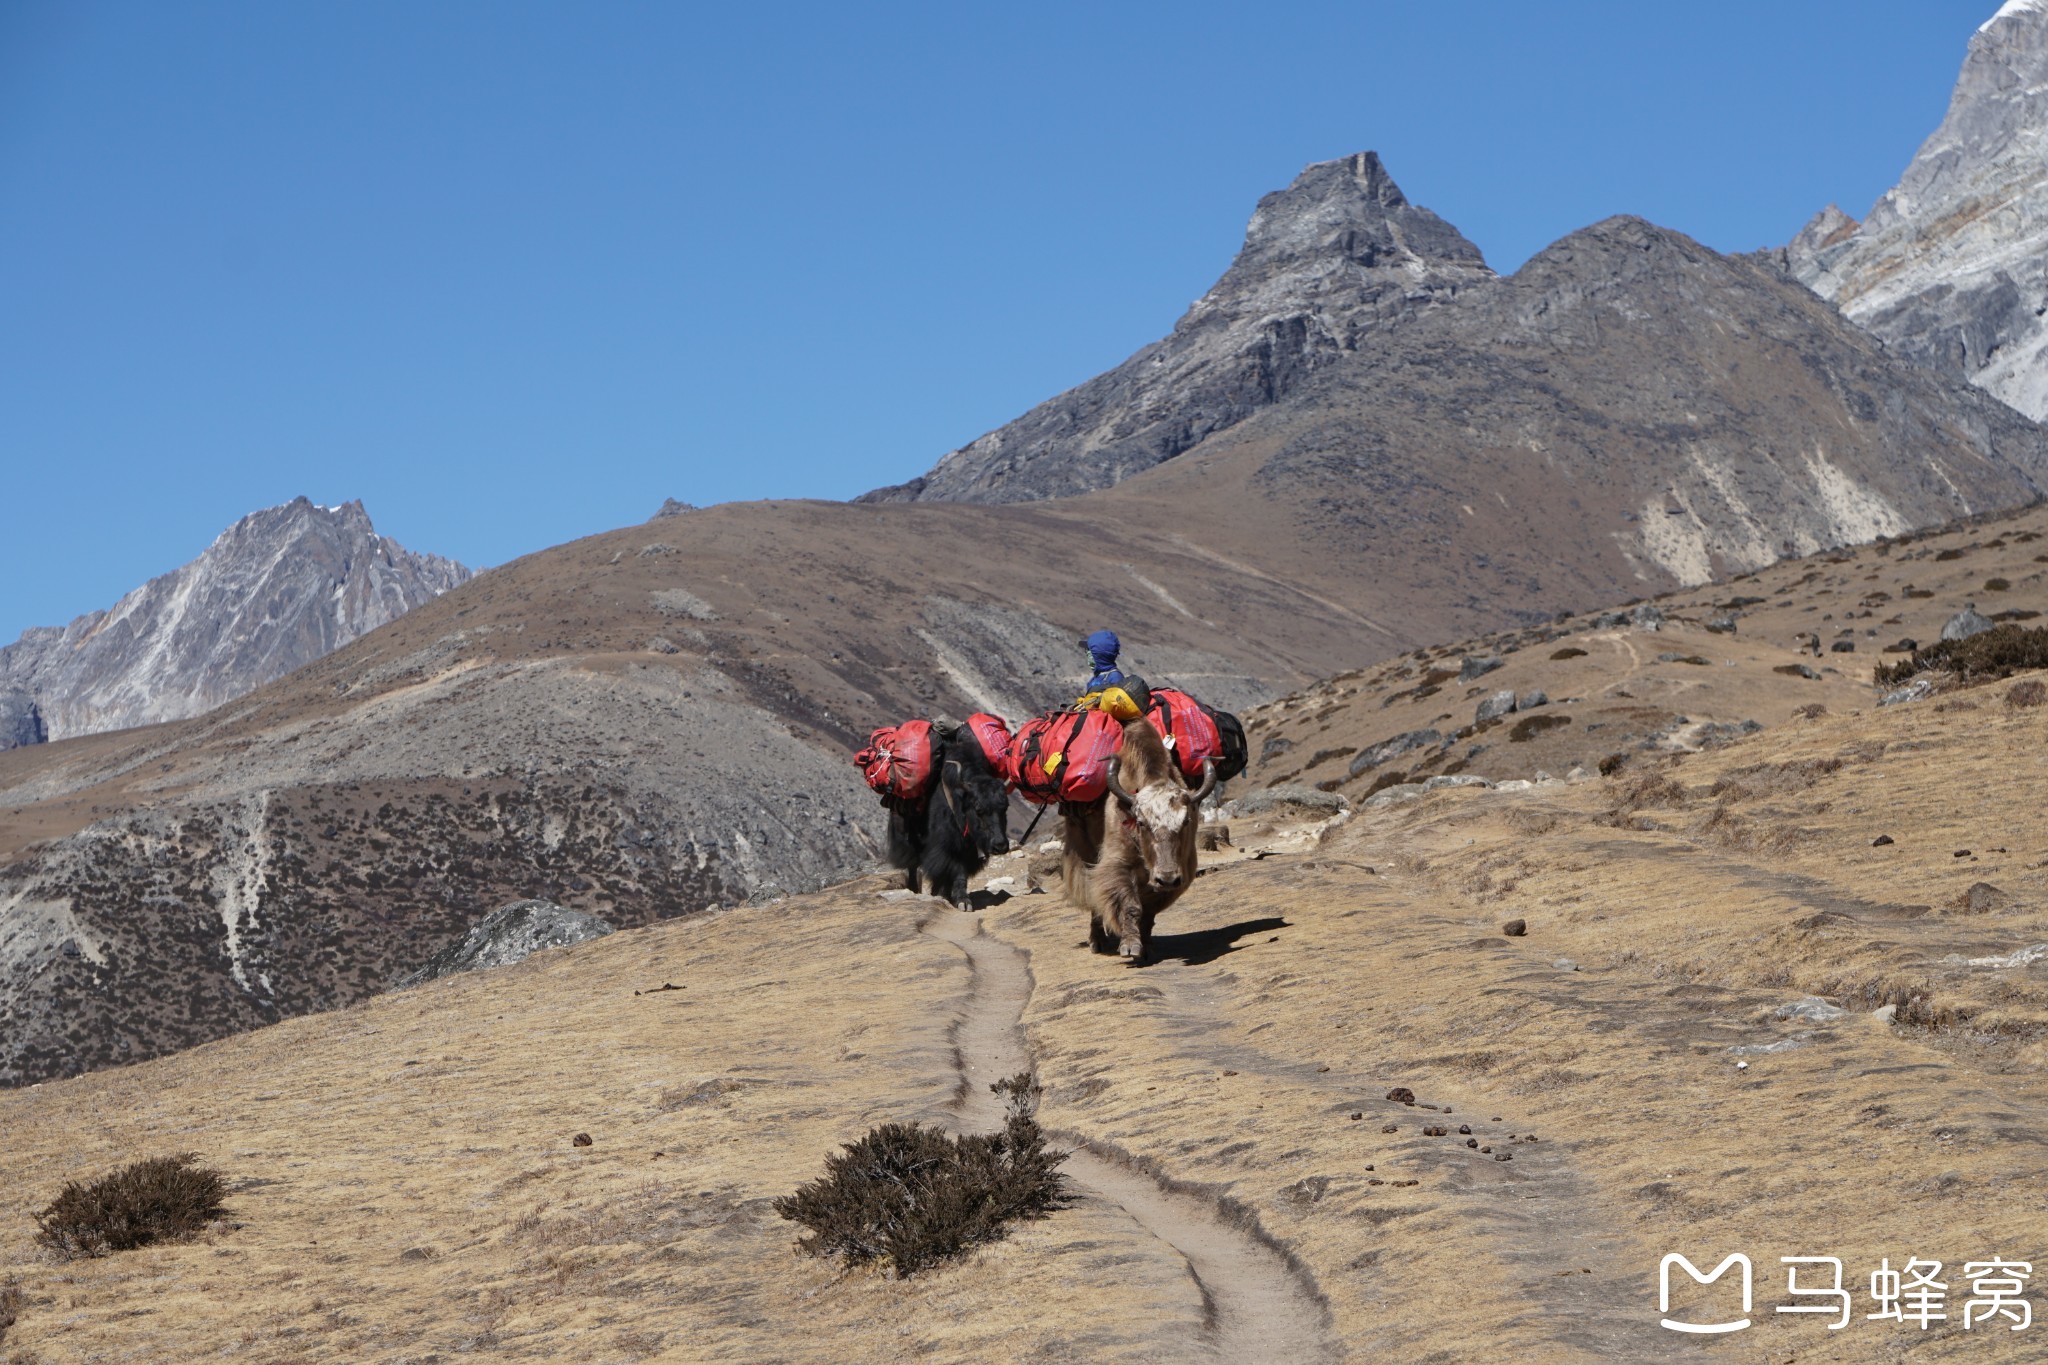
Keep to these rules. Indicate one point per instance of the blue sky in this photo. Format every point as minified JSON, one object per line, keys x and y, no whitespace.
{"x":512,"y":273}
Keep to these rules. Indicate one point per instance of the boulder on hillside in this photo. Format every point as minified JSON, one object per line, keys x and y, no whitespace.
{"x":1494,"y":707}
{"x":1478,"y":667}
{"x":1965,"y":623}
{"x":1374,"y":755}
{"x":671,"y":507}
{"x":510,"y":934}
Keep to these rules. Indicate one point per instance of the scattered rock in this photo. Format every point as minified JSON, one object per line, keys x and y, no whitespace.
{"x":1515,"y":928}
{"x":1960,"y":853}
{"x":1532,"y":699}
{"x":1357,"y":1114}
{"x":1646,"y":617}
{"x":1287,"y":798}
{"x":1475,"y":668}
{"x":1565,"y":964}
{"x":1716,"y":733}
{"x":580,"y":1140}
{"x":1881,"y":840}
{"x":1401,"y":1094}
{"x":1912,"y":691}
{"x":1811,"y":1008}
{"x":1454,"y":780}
{"x":1434,"y":1130}
{"x":1474,"y":1143}
{"x":670,"y":507}
{"x":1503,"y":1156}
{"x":1884,"y":1014}
{"x":1465,"y":1128}
{"x":1843,"y":647}
{"x":661,"y":644}
{"x":1980,"y":899}
{"x":1401,"y":791}
{"x":1723,"y":624}
{"x":1797,"y":671}
{"x":1494,"y":707}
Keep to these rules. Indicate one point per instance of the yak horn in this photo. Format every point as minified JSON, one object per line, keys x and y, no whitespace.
{"x":1118,"y":787}
{"x":1208,"y":780}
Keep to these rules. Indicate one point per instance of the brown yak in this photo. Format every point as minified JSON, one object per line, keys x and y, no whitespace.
{"x":1130,"y":854}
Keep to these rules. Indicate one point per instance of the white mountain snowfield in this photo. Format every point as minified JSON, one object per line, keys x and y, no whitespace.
{"x":2012,"y":7}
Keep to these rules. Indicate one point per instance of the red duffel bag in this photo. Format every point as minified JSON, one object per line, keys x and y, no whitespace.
{"x":1189,"y":730}
{"x":1064,"y":756}
{"x":992,"y":733}
{"x":898,"y":759}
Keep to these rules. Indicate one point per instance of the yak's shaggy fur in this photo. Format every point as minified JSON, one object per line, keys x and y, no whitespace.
{"x":952,"y":832}
{"x":1131,"y":854}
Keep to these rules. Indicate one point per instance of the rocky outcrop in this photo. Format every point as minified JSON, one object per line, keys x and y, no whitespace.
{"x":277,"y":590}
{"x":511,"y":933}
{"x":1335,"y":257}
{"x":21,"y":720}
{"x":1951,"y":266}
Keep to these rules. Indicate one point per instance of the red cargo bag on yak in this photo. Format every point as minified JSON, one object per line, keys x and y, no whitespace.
{"x":898,"y":760}
{"x":992,"y":733}
{"x":1064,"y":756}
{"x":1189,"y":731}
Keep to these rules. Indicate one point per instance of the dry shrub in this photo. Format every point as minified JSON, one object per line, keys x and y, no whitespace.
{"x":1529,"y":727}
{"x":1647,"y":789}
{"x":1997,"y":585}
{"x":1813,"y":710}
{"x":1773,"y":779}
{"x":1996,"y":653}
{"x":10,"y":1307}
{"x":160,"y":1199}
{"x":914,"y":1196}
{"x":1568,"y":652}
{"x":1384,"y":781}
{"x":2024,"y":695}
{"x":1612,"y":764}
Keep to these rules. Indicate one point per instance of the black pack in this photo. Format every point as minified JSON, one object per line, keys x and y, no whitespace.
{"x":1236,"y":748}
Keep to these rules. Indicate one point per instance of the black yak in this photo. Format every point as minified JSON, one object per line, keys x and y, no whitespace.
{"x":950,"y":833}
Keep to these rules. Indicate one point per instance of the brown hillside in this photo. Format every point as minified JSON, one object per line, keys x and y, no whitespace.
{"x":406,"y":1186}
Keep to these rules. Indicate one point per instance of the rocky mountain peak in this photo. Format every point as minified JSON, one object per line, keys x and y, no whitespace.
{"x":1347,"y":210}
{"x":273,"y":592}
{"x":1951,"y":265}
{"x":1338,"y":255}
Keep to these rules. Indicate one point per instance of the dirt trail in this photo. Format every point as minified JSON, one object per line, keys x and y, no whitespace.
{"x":1259,"y":1307}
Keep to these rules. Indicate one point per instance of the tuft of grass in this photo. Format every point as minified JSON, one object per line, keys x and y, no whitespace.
{"x":1996,"y":653}
{"x":2024,"y":695}
{"x":10,"y":1307}
{"x":1997,"y":585}
{"x":160,"y":1199}
{"x":916,"y":1196}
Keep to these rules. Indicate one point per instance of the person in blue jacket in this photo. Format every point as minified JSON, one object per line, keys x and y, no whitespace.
{"x":1103,"y":647}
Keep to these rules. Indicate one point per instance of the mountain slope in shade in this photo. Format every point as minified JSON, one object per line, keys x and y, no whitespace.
{"x":1336,"y":256}
{"x":277,"y":590}
{"x":1951,"y":266}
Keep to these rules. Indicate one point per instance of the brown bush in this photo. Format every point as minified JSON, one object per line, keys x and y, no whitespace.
{"x":915,"y":1196}
{"x":1996,"y":653}
{"x":1384,"y":781}
{"x":1568,"y":652}
{"x":1612,"y":764}
{"x":161,"y":1199}
{"x":2022,"y":695}
{"x":1529,"y":727}
{"x":10,"y":1308}
{"x":1997,"y":585}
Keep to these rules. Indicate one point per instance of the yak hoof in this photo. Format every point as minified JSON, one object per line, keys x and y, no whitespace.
{"x":1132,"y":947}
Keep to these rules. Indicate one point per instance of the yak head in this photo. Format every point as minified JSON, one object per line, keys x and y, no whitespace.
{"x":977,"y":801}
{"x":1163,"y":814}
